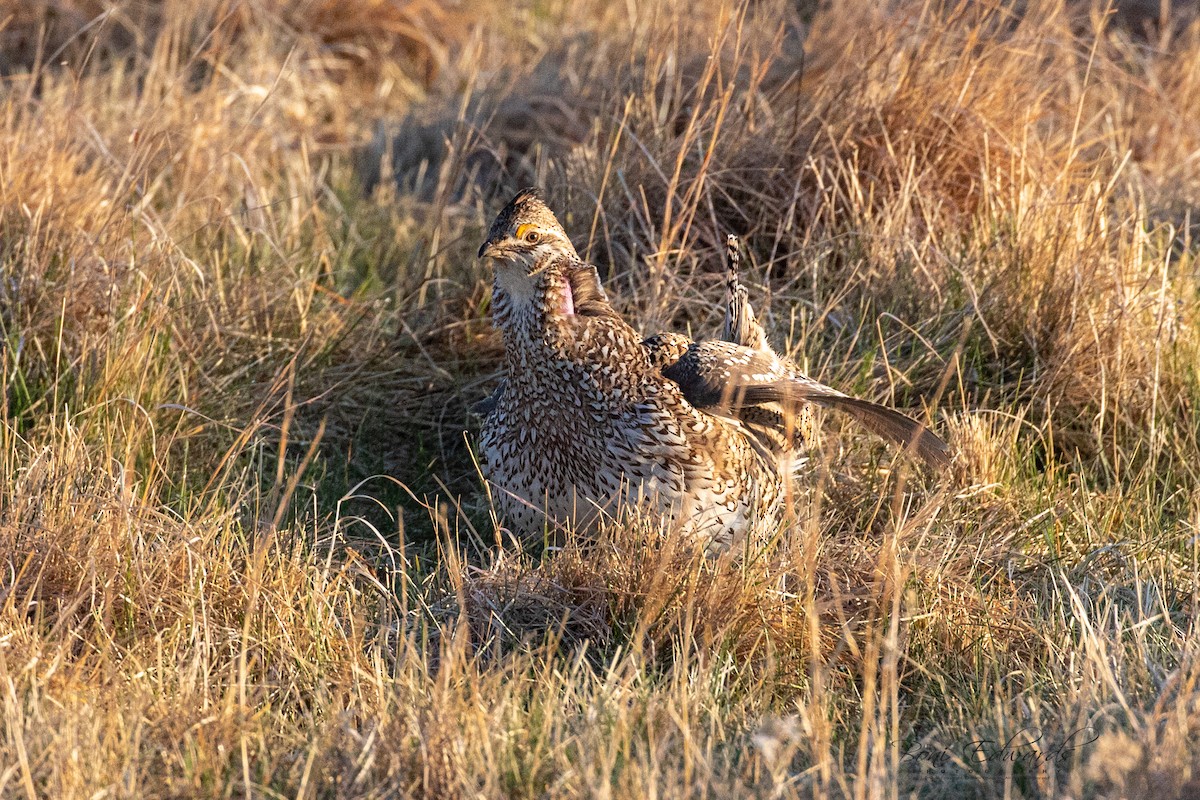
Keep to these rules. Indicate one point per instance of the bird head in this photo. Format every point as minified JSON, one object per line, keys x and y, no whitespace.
{"x":526,"y":232}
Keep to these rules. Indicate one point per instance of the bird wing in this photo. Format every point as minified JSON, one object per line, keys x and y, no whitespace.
{"x":716,"y":374}
{"x":665,"y":349}
{"x":723,"y":375}
{"x":885,"y":422}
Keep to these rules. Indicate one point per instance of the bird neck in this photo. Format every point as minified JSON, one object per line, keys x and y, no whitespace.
{"x":528,"y":303}
{"x":558,"y":313}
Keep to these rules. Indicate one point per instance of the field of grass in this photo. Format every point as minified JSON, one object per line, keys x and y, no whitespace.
{"x":246,"y":550}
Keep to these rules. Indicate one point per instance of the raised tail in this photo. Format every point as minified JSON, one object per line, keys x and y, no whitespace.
{"x":741,"y":326}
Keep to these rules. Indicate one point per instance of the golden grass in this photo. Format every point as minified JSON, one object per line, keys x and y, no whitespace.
{"x":247,"y":551}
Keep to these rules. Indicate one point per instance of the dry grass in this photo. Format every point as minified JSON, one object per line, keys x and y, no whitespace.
{"x":248,"y":553}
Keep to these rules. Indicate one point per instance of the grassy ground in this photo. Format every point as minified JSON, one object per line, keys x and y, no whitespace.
{"x":247,"y":553}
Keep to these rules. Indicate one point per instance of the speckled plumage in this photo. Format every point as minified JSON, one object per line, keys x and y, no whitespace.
{"x":593,"y":421}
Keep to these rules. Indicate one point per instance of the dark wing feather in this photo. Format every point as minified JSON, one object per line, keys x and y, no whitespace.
{"x":885,"y":422}
{"x":716,"y":375}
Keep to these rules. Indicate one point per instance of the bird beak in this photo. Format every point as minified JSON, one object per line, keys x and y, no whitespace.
{"x":489,"y":250}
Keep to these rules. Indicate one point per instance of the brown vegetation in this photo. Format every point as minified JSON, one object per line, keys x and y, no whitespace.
{"x":248,"y":552}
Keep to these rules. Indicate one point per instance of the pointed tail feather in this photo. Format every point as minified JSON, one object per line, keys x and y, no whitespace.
{"x":741,"y":326}
{"x":895,"y":427}
{"x":880,"y":420}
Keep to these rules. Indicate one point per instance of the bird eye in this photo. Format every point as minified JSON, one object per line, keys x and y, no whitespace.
{"x":532,"y":237}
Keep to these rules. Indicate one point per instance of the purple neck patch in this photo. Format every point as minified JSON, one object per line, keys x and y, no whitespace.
{"x":568,"y":306}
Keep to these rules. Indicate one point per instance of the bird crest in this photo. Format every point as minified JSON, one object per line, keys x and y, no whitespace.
{"x":527,"y":206}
